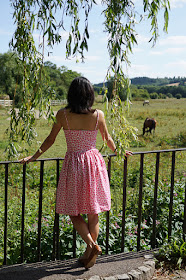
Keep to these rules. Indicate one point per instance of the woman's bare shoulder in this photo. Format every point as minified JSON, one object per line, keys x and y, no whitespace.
{"x":60,"y":115}
{"x":101,"y":114}
{"x":61,"y":111}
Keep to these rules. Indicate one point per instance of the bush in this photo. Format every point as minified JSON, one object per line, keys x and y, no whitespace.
{"x":173,"y":253}
{"x":154,"y":95}
{"x":178,"y":96}
{"x":162,"y":96}
{"x":169,"y":95}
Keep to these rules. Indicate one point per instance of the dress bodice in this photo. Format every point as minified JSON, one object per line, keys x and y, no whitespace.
{"x":80,"y":140}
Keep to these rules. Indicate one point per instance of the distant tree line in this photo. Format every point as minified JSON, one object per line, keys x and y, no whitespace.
{"x":59,"y":79}
{"x":158,"y":81}
{"x":149,"y":88}
{"x":11,"y":77}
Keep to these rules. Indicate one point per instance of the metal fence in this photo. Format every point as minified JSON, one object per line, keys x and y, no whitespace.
{"x":56,"y":254}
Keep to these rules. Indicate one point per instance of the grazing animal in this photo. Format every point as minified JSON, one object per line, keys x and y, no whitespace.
{"x":148,"y":125}
{"x":146,"y":102}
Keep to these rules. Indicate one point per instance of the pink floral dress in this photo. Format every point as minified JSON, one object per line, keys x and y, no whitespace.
{"x":83,"y":186}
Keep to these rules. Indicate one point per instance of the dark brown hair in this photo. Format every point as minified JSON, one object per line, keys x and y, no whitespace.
{"x":80,"y":96}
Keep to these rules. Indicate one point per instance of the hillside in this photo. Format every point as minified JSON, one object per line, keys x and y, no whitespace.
{"x":179,"y":81}
{"x":143,"y":81}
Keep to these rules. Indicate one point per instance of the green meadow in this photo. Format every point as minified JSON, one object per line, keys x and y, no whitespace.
{"x":170,"y":115}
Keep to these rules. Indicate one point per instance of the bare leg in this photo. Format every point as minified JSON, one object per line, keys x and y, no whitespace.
{"x":82,"y":228}
{"x":93,"y":226}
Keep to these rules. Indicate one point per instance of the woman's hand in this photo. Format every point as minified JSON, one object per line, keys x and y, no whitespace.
{"x":128,"y":153}
{"x":26,"y":159}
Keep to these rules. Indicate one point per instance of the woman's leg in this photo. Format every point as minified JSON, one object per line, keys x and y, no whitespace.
{"x":82,"y":228}
{"x":93,"y":225}
{"x":89,"y":232}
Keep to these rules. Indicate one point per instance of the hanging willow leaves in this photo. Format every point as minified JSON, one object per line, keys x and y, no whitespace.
{"x":34,"y":18}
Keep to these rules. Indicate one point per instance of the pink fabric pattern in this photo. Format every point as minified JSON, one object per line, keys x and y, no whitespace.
{"x":83,"y":186}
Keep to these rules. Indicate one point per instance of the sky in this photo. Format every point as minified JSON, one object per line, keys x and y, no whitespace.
{"x":166,"y":59}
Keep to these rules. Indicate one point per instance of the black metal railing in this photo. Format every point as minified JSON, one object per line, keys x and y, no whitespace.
{"x":56,"y":253}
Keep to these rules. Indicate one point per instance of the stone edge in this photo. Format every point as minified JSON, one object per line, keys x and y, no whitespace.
{"x":144,"y":272}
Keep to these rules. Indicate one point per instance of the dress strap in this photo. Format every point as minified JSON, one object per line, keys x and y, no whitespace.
{"x":97,"y":119}
{"x":66,"y":119}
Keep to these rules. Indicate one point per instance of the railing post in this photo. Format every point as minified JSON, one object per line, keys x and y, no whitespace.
{"x":6,"y":214}
{"x":140,"y":202}
{"x":74,"y":243}
{"x":155,"y":201}
{"x":171,"y":196}
{"x":184,"y":221}
{"x":40,"y":211}
{"x":56,"y":251}
{"x":23,"y":214}
{"x":108,"y":213}
{"x":124,"y":203}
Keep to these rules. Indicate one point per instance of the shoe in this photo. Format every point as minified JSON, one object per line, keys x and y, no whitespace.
{"x":91,"y":260}
{"x":81,"y":260}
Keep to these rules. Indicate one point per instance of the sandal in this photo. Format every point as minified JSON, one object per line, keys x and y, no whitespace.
{"x":91,"y":260}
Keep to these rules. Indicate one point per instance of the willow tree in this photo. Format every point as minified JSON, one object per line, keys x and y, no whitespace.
{"x":48,"y":19}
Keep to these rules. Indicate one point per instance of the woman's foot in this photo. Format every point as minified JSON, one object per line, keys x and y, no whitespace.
{"x":86,"y":254}
{"x":91,"y":260}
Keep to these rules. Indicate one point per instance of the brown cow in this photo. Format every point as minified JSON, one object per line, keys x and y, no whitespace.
{"x":149,"y":124}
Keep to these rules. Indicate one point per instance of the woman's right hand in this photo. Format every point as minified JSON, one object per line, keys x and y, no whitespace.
{"x":26,"y":159}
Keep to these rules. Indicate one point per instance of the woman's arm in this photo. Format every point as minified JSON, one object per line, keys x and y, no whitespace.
{"x":48,"y":142}
{"x":104,"y":132}
{"x":106,"y":136}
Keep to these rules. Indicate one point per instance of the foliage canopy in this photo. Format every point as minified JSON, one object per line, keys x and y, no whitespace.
{"x":48,"y":19}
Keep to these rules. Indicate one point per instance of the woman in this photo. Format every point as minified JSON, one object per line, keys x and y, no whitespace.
{"x":83,"y":186}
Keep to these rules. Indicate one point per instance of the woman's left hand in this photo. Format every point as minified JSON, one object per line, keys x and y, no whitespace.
{"x":128,"y":153}
{"x":26,"y":159}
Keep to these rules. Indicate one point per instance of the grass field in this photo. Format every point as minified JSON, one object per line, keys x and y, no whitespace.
{"x":170,"y":115}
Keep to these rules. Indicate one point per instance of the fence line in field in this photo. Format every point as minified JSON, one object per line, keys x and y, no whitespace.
{"x":58,"y":102}
{"x":6,"y":103}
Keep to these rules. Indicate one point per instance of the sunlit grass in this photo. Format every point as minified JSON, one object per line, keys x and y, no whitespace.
{"x":170,"y":130}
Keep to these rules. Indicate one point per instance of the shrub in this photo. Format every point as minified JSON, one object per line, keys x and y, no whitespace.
{"x":178,"y":96}
{"x":169,"y":95}
{"x":173,"y":253}
{"x":154,"y":95}
{"x":162,"y":96}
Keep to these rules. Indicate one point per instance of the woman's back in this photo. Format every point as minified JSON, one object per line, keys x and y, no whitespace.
{"x":80,"y":131}
{"x":73,"y":121}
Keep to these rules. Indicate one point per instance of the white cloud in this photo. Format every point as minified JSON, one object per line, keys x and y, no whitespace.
{"x":61,"y":59}
{"x":174,"y":51}
{"x":137,"y":70}
{"x":173,"y":40}
{"x":181,"y":64}
{"x":142,"y":39}
{"x":98,"y":2}
{"x":137,"y":50}
{"x":156,"y":52}
{"x":177,"y":3}
{"x":173,"y":3}
{"x":177,"y":68}
{"x":4,"y":32}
